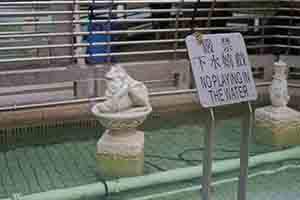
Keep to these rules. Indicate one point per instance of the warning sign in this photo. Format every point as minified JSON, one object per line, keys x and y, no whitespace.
{"x":221,"y":69}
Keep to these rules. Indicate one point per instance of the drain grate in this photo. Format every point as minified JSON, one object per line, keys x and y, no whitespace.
{"x":48,"y":133}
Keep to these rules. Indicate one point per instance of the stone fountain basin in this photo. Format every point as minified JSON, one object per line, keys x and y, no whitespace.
{"x":129,"y":119}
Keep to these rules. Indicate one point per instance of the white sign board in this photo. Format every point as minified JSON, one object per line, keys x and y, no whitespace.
{"x":221,"y":69}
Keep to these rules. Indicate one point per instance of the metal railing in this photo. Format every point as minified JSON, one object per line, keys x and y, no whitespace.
{"x":75,"y":33}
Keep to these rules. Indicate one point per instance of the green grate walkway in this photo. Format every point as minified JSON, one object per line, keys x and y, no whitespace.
{"x":37,"y":168}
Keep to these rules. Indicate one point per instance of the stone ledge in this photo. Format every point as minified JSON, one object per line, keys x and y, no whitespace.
{"x":183,"y":102}
{"x":54,"y":114}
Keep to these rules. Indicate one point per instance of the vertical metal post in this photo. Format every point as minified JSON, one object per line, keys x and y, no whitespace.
{"x":247,"y":125}
{"x":81,"y":88}
{"x":77,"y":28}
{"x":263,"y":21}
{"x":208,"y":156}
{"x":291,"y":23}
{"x":73,"y":52}
{"x":60,"y":28}
{"x":176,"y":36}
{"x":36,"y":27}
{"x":109,"y":35}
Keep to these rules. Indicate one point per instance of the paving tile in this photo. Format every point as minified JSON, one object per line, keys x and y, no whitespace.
{"x":16,"y":173}
{"x":27,"y":171}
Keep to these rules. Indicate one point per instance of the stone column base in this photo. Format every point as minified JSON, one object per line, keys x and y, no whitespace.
{"x":120,"y":154}
{"x":278,"y":126}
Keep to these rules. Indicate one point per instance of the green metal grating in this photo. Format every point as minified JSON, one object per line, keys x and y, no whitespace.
{"x":170,"y":142}
{"x":47,"y":133}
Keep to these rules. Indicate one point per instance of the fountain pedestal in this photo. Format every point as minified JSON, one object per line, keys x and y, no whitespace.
{"x":120,"y":150}
{"x":278,"y":124}
{"x":121,"y":154}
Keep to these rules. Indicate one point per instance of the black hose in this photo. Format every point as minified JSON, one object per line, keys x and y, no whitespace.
{"x":180,"y":156}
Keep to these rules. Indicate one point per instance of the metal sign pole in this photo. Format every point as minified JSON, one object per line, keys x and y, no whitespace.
{"x":208,"y":156}
{"x":247,"y":125}
{"x":215,"y":86}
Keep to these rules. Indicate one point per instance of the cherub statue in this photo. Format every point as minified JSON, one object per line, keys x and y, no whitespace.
{"x":123,"y":93}
{"x":279,"y":88}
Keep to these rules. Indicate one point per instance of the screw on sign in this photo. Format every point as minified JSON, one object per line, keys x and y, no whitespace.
{"x":221,"y":69}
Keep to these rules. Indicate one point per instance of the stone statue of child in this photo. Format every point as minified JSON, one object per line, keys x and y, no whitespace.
{"x":123,"y":93}
{"x":279,"y":88}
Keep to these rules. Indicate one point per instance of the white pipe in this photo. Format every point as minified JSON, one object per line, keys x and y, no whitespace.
{"x":217,"y":183}
{"x":22,"y":13}
{"x":128,"y":20}
{"x":87,"y":100}
{"x":22,"y":59}
{"x":129,"y":31}
{"x":129,"y":42}
{"x":120,"y":2}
